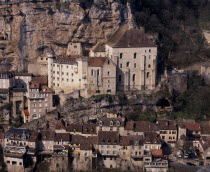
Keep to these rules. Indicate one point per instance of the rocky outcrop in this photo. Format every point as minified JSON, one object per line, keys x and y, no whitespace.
{"x":29,"y":28}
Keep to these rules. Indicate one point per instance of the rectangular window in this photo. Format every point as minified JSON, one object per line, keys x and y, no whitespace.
{"x":14,"y":162}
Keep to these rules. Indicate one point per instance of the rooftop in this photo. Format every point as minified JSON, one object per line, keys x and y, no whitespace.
{"x":96,"y":61}
{"x":126,"y":38}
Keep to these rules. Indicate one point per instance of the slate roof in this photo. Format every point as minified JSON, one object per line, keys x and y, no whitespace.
{"x":126,"y":38}
{"x":108,"y":138}
{"x":18,"y":134}
{"x":96,"y":61}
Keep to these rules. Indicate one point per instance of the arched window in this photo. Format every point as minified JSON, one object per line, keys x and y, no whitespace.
{"x":134,"y":56}
{"x":121,"y":54}
{"x":149,"y":66}
{"x":118,"y":123}
{"x":111,"y":123}
{"x":120,"y":78}
{"x":108,"y":62}
{"x":134,"y":77}
{"x":134,"y":65}
{"x":147,"y":74}
{"x":127,"y":64}
{"x":108,"y":73}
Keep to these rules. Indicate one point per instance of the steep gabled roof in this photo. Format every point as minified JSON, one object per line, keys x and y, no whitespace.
{"x":99,"y":47}
{"x":126,"y":38}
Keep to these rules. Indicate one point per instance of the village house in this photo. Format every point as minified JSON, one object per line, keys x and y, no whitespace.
{"x":193,"y":133}
{"x":168,"y":131}
{"x":136,"y":58}
{"x":40,"y":101}
{"x":108,"y":142}
{"x":131,"y":152}
{"x":98,"y":50}
{"x":46,"y":143}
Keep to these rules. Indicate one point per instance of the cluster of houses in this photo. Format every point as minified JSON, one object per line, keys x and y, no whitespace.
{"x":29,"y":96}
{"x":110,"y":142}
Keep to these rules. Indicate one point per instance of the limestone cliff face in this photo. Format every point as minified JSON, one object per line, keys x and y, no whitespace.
{"x":29,"y":28}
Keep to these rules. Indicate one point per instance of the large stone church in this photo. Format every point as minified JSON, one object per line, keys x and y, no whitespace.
{"x":126,"y":62}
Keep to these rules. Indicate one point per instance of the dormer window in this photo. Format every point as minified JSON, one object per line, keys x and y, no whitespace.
{"x":103,"y":141}
{"x":111,"y":123}
{"x":109,"y":140}
{"x":86,"y":129}
{"x":74,"y":130}
{"x":115,"y":141}
{"x":100,"y":123}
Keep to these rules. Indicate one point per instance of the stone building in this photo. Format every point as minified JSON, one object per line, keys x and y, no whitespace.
{"x":40,"y":100}
{"x":108,"y":142}
{"x":7,"y":80}
{"x":89,"y":75}
{"x":74,"y":48}
{"x":136,"y":58}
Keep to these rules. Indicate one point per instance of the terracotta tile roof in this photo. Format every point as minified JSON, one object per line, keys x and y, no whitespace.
{"x":125,"y":38}
{"x":129,"y":125}
{"x":42,"y":80}
{"x":99,"y":47}
{"x":62,"y":137}
{"x":74,"y":128}
{"x":45,"y":89}
{"x":26,"y":112}
{"x":60,"y":126}
{"x":108,"y":138}
{"x":193,"y":127}
{"x":89,"y":129}
{"x":96,"y":61}
{"x":157,"y":152}
{"x":67,"y":60}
